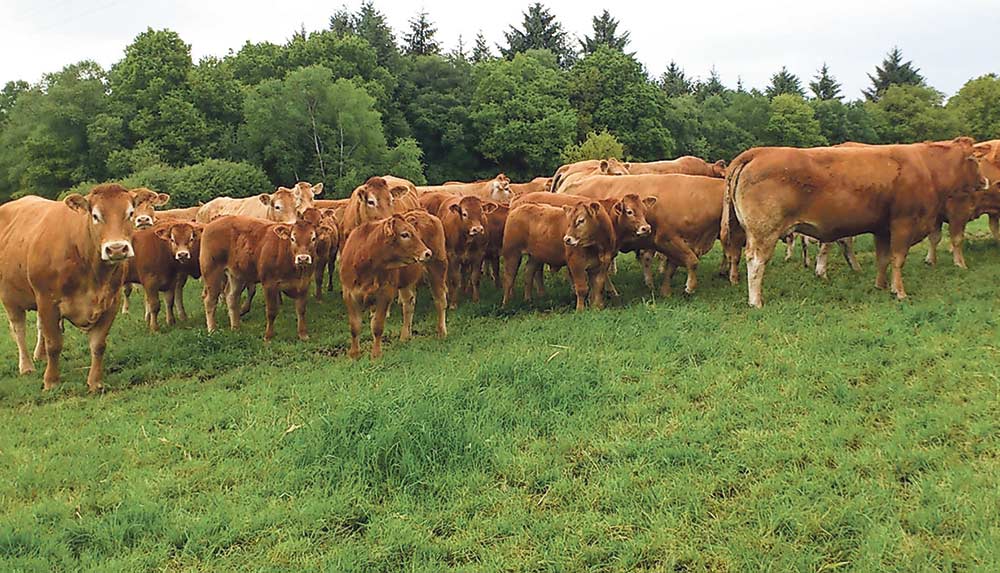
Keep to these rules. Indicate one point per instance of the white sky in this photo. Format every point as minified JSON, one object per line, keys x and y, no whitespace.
{"x":950,"y":42}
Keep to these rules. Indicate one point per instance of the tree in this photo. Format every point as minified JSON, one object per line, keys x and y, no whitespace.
{"x":420,"y":40}
{"x":674,"y":82}
{"x":792,"y":123}
{"x":481,"y":50}
{"x":254,"y":63}
{"x":711,"y":86}
{"x":371,"y":25}
{"x":893,"y":72}
{"x":825,"y":86}
{"x":605,"y":34}
{"x":597,"y":146}
{"x":521,"y":116}
{"x":784,"y":82}
{"x":8,"y":97}
{"x":539,"y":31}
{"x":910,"y":114}
{"x":977,"y":105}
{"x":218,"y":96}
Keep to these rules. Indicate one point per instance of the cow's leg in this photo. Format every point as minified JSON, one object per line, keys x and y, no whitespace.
{"x":881,"y":261}
{"x":98,"y":340}
{"x":233,"y":291}
{"x":454,"y":282}
{"x":679,"y":253}
{"x":354,"y":321}
{"x":539,"y":280}
{"x":733,"y":258}
{"x":759,"y":253}
{"x":49,"y":320}
{"x":666,"y":290}
{"x":16,"y":317}
{"x":510,"y":264}
{"x":272,"y":302}
{"x":320,"y":269}
{"x":645,"y":258}
{"x":210,"y":295}
{"x":407,"y":301}
{"x":182,"y":314}
{"x":598,"y":278}
{"x":495,"y":266}
{"x":847,"y":249}
{"x":822,"y":258}
{"x":251,"y":291}
{"x":995,"y":226}
{"x":39,"y":342}
{"x":789,"y":246}
{"x":804,"y":241}
{"x":933,"y":239}
{"x":437,"y":271}
{"x":899,"y":246}
{"x":331,"y":266}
{"x":530,"y":268}
{"x":475,"y":275}
{"x":126,"y":292}
{"x":300,"y":314}
{"x":956,"y":231}
{"x":580,"y":279}
{"x":382,"y":303}
{"x":152,"y":307}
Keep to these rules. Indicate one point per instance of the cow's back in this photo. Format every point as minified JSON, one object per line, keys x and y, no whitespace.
{"x":221,"y":206}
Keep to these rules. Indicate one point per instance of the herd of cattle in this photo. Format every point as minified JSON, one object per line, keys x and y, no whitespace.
{"x":72,"y":259}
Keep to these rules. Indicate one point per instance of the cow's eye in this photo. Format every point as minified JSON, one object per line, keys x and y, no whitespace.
{"x":405,"y":235}
{"x":291,"y":238}
{"x":97,"y":218}
{"x":630,"y":212}
{"x":277,"y":207}
{"x":579,"y":221}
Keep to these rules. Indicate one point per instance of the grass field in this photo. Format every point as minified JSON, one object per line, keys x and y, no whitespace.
{"x":835,"y":430}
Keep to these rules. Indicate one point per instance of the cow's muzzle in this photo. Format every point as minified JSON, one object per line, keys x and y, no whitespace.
{"x":477,"y":230}
{"x":143,"y":222}
{"x":117,"y":251}
{"x":425,"y":256}
{"x":644,"y":230}
{"x":571,"y":241}
{"x":183,"y":256}
{"x":302,"y":260}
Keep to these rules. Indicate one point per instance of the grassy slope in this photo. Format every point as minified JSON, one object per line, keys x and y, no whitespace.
{"x":837,"y":428}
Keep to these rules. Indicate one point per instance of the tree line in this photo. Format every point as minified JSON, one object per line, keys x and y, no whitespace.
{"x":339,"y":104}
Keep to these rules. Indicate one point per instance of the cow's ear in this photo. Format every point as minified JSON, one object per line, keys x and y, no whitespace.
{"x":161,"y":199}
{"x":197,"y":231}
{"x":77,"y":202}
{"x":317,"y":189}
{"x":399,"y":190}
{"x":489,"y":207}
{"x":616,"y":207}
{"x":721,"y":164}
{"x":503,"y":177}
{"x":329,"y":213}
{"x":284,"y":232}
{"x":264,"y":198}
{"x":604,"y":166}
{"x":627,"y":165}
{"x":455,"y":208}
{"x":594,"y":207}
{"x":140,"y":196}
{"x":163,"y":233}
{"x":388,"y":228}
{"x":649,"y":202}
{"x":982,"y":150}
{"x":568,"y":209}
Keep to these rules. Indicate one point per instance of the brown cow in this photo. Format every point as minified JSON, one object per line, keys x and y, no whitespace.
{"x":580,"y":237}
{"x":496,"y":189}
{"x":279,"y":207}
{"x":464,"y":221}
{"x":896,"y":192}
{"x":63,"y":259}
{"x":145,"y":211}
{"x":586,"y":166}
{"x":189,"y":214}
{"x":604,"y":167}
{"x":327,"y":244}
{"x":495,"y":222}
{"x":248,"y":250}
{"x":305,"y":195}
{"x":430,"y":230}
{"x":375,"y":200}
{"x":989,"y":165}
{"x":686,"y":220}
{"x":536,"y":185}
{"x":370,"y":263}
{"x":163,"y":253}
{"x":687,"y":165}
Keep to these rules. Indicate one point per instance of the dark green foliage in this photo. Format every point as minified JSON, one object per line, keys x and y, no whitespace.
{"x":910,"y":114}
{"x":481,"y":50}
{"x":674,"y":82}
{"x":539,"y":31}
{"x":825,"y":86}
{"x":710,"y":87}
{"x":605,"y":33}
{"x":977,"y":106}
{"x":785,"y":82}
{"x":893,"y":72}
{"x":419,"y":41}
{"x":202,"y":182}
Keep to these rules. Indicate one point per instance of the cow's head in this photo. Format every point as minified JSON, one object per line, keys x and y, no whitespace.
{"x":719,"y":169}
{"x":613,"y":167}
{"x":583,"y":224}
{"x":111,"y":212}
{"x":282,"y":205}
{"x":402,"y":245}
{"x":500,"y":188}
{"x":326,"y":223}
{"x":629,"y":214}
{"x":145,"y":214}
{"x":471,"y":213}
{"x":301,"y":236}
{"x":183,"y":238}
{"x":306,"y":195}
{"x":375,"y":199}
{"x":988,"y":157}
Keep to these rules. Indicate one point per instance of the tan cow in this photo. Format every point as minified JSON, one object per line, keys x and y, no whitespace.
{"x":163,"y":254}
{"x":189,"y":214}
{"x":327,"y":245}
{"x":247,"y":250}
{"x":375,"y":200}
{"x":496,"y":189}
{"x":279,"y":207}
{"x":586,"y":166}
{"x":145,"y":211}
{"x":989,"y":165}
{"x":536,"y":185}
{"x":687,"y":165}
{"x":495,"y":222}
{"x":63,"y":259}
{"x":370,"y":264}
{"x":305,"y":195}
{"x":604,"y":167}
{"x":898,"y":193}
{"x":464,"y":221}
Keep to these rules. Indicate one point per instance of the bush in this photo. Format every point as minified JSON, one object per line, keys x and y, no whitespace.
{"x":202,"y":182}
{"x":597,"y":146}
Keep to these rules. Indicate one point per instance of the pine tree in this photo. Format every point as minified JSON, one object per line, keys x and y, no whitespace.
{"x":420,"y":41}
{"x":785,"y":82}
{"x":481,"y":50}
{"x":371,"y":25}
{"x":605,"y":34}
{"x":674,"y":82}
{"x":893,"y":71}
{"x":539,"y":31}
{"x":826,"y":87}
{"x":342,"y":23}
{"x":459,"y":52}
{"x":712,"y":86}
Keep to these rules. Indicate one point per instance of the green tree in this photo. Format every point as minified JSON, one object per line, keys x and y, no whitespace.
{"x":893,"y":72}
{"x":481,"y":50}
{"x":674,"y":82}
{"x":521,"y":115}
{"x":825,"y":86}
{"x":406,"y":160}
{"x":254,"y":63}
{"x":605,"y":33}
{"x":910,"y":114}
{"x":8,"y":97}
{"x":597,"y":146}
{"x":792,"y":123}
{"x":977,"y":105}
{"x":218,"y":97}
{"x":784,"y":82}
{"x":420,"y":39}
{"x":539,"y":31}
{"x":371,"y":25}
{"x":712,"y":86}
{"x":202,"y":182}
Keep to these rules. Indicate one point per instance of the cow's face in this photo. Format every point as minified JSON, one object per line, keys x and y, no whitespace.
{"x":613,"y":167}
{"x":402,"y":245}
{"x":500,"y":189}
{"x":183,"y":238}
{"x":305,"y":195}
{"x":582,"y":224}
{"x":375,"y":198}
{"x":471,"y":214}
{"x":110,"y":210}
{"x":988,"y":158}
{"x":719,"y":169}
{"x":301,"y":237}
{"x":630,"y":215}
{"x":145,"y":215}
{"x":281,"y":205}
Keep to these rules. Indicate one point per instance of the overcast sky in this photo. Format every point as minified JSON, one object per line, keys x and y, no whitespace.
{"x":949,"y":41}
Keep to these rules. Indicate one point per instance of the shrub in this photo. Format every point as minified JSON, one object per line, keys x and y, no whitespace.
{"x":201,"y":182}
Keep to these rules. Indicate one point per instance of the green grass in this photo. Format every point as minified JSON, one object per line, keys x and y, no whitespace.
{"x":835,"y":430}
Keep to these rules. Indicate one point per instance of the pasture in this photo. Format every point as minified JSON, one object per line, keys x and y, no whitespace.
{"x":836,"y":429}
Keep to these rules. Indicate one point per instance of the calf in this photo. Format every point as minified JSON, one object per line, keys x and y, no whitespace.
{"x":145,"y":211}
{"x":370,"y":263}
{"x":280,"y":207}
{"x":375,"y":200}
{"x":163,"y":253}
{"x":246,"y":251}
{"x":327,"y":245}
{"x":305,"y":195}
{"x":580,"y":237}
{"x":464,"y":221}
{"x":495,"y":222}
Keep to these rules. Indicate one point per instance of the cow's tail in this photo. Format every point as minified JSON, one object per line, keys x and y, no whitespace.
{"x":729,"y":219}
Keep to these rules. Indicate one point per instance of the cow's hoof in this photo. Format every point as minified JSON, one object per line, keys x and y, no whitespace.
{"x":96,"y":389}
{"x":304,"y":337}
{"x":28,"y":369}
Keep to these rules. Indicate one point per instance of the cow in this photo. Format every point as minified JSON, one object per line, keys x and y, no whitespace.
{"x":145,"y":211}
{"x":327,"y":244}
{"x":63,"y":259}
{"x":244,"y":251}
{"x":431,"y":231}
{"x":496,"y":189}
{"x":375,"y":200}
{"x":686,"y":220}
{"x":846,"y":248}
{"x":604,"y":167}
{"x":687,"y":165}
{"x":189,"y":214}
{"x":989,"y":165}
{"x":536,"y":185}
{"x":899,"y":193}
{"x":495,"y":222}
{"x":305,"y":195}
{"x":370,"y":263}
{"x":163,"y":254}
{"x":464,"y":222}
{"x":279,"y":207}
{"x":580,"y":237}
{"x":587,"y":166}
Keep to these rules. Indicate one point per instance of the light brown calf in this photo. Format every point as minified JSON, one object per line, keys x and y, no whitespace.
{"x":163,"y":254}
{"x":464,"y":221}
